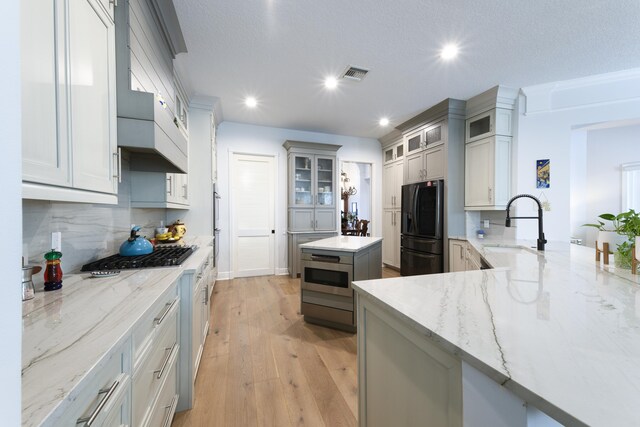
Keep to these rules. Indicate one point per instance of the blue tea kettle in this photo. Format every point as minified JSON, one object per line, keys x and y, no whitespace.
{"x":135,"y":245}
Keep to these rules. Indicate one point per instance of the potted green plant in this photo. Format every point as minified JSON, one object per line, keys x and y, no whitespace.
{"x":621,"y":233}
{"x":630,"y":228}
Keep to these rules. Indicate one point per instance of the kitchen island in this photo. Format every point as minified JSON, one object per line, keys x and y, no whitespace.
{"x":328,"y":268}
{"x":550,"y":330}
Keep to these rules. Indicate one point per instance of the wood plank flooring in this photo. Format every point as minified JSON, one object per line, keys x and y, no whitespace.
{"x":262,"y":365}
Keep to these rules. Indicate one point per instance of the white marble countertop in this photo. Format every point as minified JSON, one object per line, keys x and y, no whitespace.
{"x":342,"y":243}
{"x":66,"y":333}
{"x":556,"y":328}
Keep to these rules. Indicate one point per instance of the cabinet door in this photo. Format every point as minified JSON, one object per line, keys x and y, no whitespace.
{"x":399,"y":151}
{"x":414,"y":168}
{"x":92,"y":94}
{"x":434,"y":160}
{"x":45,"y":150}
{"x":325,"y":219}
{"x":388,"y":186}
{"x":414,"y":142}
{"x":479,"y":173}
{"x":182,"y":188}
{"x":389,"y":155}
{"x":481,"y":126}
{"x":302,"y":191}
{"x":196,"y":328}
{"x":301,"y":220}
{"x":390,"y":238}
{"x":457,"y":255}
{"x":325,"y":181}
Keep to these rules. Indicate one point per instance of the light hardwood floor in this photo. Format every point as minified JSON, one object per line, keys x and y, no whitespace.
{"x":262,"y":365}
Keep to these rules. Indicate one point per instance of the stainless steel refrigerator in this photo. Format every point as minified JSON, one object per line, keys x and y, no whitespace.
{"x":421,"y":244}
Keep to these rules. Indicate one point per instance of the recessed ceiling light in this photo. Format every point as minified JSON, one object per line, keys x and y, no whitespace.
{"x":250,"y":102}
{"x":384,"y":121}
{"x":450,"y":51}
{"x":330,"y":82}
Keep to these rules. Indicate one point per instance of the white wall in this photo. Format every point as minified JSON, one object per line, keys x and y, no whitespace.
{"x":240,"y":138}
{"x":10,"y":176}
{"x":552,"y":111}
{"x":602,"y":153}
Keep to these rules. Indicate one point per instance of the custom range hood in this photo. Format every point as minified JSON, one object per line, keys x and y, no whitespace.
{"x":148,"y":37}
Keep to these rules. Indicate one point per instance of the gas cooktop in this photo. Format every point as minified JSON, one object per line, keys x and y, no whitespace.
{"x":160,"y":257}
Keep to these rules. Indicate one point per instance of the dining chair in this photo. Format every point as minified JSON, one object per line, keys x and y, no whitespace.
{"x":363,"y":227}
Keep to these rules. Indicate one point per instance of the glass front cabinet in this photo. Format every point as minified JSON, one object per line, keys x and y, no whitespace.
{"x":313,"y":192}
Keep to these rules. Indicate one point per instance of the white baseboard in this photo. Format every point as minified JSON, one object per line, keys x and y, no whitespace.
{"x":282,"y":271}
{"x":223,"y":275}
{"x":226,"y":275}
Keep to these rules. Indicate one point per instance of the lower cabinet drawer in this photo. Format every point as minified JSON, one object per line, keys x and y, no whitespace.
{"x":327,"y":313}
{"x":145,"y":330}
{"x":96,"y":400}
{"x":118,"y":414}
{"x":165,"y":406}
{"x":153,"y":370}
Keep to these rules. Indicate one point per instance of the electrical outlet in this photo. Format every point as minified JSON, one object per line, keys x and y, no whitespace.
{"x":56,"y":241}
{"x":485,"y":223}
{"x":546,"y":206}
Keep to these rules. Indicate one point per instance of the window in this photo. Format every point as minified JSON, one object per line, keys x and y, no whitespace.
{"x":631,"y":186}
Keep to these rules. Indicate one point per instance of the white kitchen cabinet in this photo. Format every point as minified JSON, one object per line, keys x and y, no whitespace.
{"x":496,"y":121}
{"x":159,"y":190}
{"x":457,"y":255}
{"x":194,"y":325}
{"x":488,"y":173}
{"x":392,"y":180}
{"x":68,"y":102}
{"x":425,"y":165}
{"x":149,"y":378}
{"x":391,"y":237}
{"x":463,"y":256}
{"x":393,"y":153}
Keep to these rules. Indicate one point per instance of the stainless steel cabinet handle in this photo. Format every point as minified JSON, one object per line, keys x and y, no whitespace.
{"x":168,"y":307}
{"x":167,"y":417}
{"x":316,"y":223}
{"x":117,"y":165}
{"x":170,"y":186}
{"x":108,"y":392}
{"x":186,"y":191}
{"x":160,"y":371}
{"x":490,"y":194}
{"x":113,"y":2}
{"x":206,"y":294}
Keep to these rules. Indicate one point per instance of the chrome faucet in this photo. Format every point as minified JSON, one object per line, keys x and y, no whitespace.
{"x":541,"y":239}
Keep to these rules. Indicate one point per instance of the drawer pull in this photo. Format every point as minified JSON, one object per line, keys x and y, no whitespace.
{"x":171,"y":407}
{"x":160,"y":371}
{"x":325,"y":258}
{"x":108,"y":392}
{"x":168,"y":307}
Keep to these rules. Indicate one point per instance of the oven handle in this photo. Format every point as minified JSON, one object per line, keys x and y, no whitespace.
{"x":326,"y":258}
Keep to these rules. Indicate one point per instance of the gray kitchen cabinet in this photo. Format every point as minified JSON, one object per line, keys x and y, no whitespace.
{"x":488,"y":173}
{"x":294,"y":242}
{"x":392,"y":180}
{"x":457,"y":255}
{"x":391,"y":237}
{"x":425,"y":154}
{"x":394,"y":152}
{"x":68,"y":102}
{"x":313,"y":194}
{"x":488,"y":141}
{"x":159,"y":190}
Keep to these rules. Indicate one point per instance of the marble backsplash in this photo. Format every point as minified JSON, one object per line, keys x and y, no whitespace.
{"x":89,"y":231}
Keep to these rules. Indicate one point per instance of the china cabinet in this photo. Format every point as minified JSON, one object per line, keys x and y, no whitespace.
{"x":313,"y":194}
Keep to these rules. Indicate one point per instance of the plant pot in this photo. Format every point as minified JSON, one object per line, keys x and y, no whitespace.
{"x":611,"y":237}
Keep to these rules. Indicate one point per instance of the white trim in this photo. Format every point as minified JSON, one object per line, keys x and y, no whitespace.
{"x":630,"y":186}
{"x":374,"y":212}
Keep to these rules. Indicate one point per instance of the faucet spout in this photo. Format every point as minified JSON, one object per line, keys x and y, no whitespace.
{"x":541,"y":240}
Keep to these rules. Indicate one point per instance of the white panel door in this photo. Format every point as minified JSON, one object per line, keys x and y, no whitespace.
{"x":92,"y":86}
{"x":253,"y":215}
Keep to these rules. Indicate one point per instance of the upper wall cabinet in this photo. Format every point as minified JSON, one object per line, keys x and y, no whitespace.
{"x":488,"y":140}
{"x":152,"y":110}
{"x":68,"y":101}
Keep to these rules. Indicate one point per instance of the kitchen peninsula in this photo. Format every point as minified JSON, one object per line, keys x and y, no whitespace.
{"x":543,"y":334}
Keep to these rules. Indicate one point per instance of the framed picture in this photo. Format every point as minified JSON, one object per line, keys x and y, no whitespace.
{"x":542,"y":174}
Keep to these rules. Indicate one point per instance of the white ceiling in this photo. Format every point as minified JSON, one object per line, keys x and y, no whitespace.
{"x":280,"y":51}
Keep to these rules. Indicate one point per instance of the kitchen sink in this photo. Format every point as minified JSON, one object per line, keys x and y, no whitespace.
{"x":516,"y":250}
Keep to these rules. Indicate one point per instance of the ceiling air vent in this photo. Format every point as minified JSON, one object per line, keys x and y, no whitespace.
{"x":355,"y":73}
